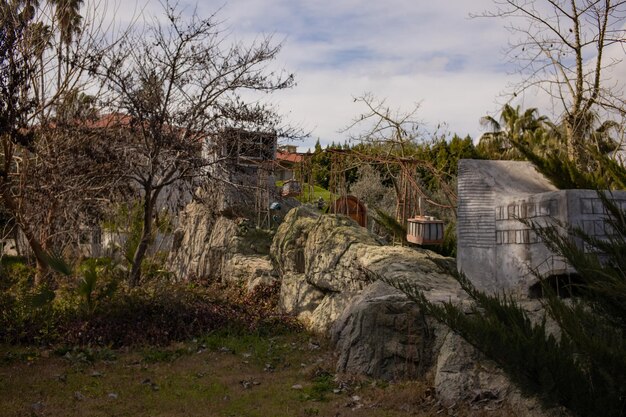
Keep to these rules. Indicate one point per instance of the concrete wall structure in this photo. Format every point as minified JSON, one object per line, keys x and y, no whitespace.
{"x":496,"y":249}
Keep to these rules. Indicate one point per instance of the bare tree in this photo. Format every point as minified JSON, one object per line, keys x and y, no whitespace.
{"x":393,"y":137}
{"x":177,"y":84}
{"x":16,"y":105}
{"x":567,"y":48}
{"x":46,"y":53}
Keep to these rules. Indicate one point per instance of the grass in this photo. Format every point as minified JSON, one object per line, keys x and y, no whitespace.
{"x":306,"y":195}
{"x":220,"y":374}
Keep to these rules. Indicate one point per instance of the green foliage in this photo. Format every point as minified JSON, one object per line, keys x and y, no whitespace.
{"x":26,"y":311}
{"x":27,"y":314}
{"x":436,"y":163}
{"x":601,"y":263}
{"x":321,"y":166}
{"x":372,"y":189}
{"x":444,"y":156}
{"x":154,"y":268}
{"x":261,"y":349}
{"x":395,"y":229}
{"x":604,"y":173}
{"x":155,"y":355}
{"x":127,"y":220}
{"x":148,"y":316}
{"x":514,"y":127}
{"x":526,"y":135}
{"x":309,"y":195}
{"x":496,"y":325}
{"x":58,"y":264}
{"x":318,"y":192}
{"x":85,"y":355}
{"x":559,"y":170}
{"x":98,"y":282}
{"x":323,"y":384}
{"x":91,"y":308}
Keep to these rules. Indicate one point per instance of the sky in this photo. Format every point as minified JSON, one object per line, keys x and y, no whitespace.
{"x":406,"y":52}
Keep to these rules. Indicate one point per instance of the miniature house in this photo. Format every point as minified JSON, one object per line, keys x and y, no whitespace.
{"x":240,"y":172}
{"x":287,"y":162}
{"x":496,"y":250}
{"x":240,"y":147}
{"x":247,"y":146}
{"x":291,"y":188}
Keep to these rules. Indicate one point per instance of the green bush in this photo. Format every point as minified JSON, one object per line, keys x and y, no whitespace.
{"x":154,"y":268}
{"x":91,"y":308}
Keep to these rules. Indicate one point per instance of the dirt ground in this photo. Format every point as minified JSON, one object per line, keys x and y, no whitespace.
{"x":290,"y":375}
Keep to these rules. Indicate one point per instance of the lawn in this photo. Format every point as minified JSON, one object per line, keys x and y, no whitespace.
{"x":218,"y":375}
{"x":307,"y":196}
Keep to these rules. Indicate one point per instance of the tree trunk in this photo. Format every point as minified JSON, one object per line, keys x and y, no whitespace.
{"x":146,"y":234}
{"x":574,"y":141}
{"x":41,"y":258}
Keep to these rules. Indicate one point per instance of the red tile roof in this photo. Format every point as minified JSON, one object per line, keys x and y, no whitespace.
{"x":288,"y":157}
{"x":110,"y":120}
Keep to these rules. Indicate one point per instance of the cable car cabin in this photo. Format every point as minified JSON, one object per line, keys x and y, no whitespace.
{"x":291,"y":188}
{"x":424,"y":230}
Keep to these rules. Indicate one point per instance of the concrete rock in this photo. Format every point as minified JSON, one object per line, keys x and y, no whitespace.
{"x":333,"y":251}
{"x":384,"y":335}
{"x":203,"y":240}
{"x":298,"y":297}
{"x":332,"y":257}
{"x":216,"y":247}
{"x":464,"y":375}
{"x":251,"y":268}
{"x":327,"y":312}
{"x":290,"y":239}
{"x":329,"y":266}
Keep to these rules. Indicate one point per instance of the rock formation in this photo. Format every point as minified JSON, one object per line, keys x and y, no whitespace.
{"x":329,"y":266}
{"x":324,"y":261}
{"x":329,"y":269}
{"x":216,"y":238}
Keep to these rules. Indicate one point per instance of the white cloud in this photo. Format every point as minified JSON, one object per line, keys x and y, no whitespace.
{"x":323,"y":100}
{"x":406,"y":51}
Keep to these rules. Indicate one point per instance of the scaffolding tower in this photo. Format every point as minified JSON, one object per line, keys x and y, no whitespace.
{"x":262,"y":195}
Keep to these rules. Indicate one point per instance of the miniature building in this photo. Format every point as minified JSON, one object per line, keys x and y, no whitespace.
{"x":495,"y":249}
{"x":241,"y":147}
{"x":291,"y":188}
{"x":287,"y":160}
{"x":424,"y":230}
{"x":240,"y":175}
{"x":249,"y":146}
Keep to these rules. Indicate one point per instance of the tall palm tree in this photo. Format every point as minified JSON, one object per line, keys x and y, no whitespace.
{"x":39,"y":36}
{"x":67,"y":14}
{"x":69,"y":20}
{"x":513,"y":126}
